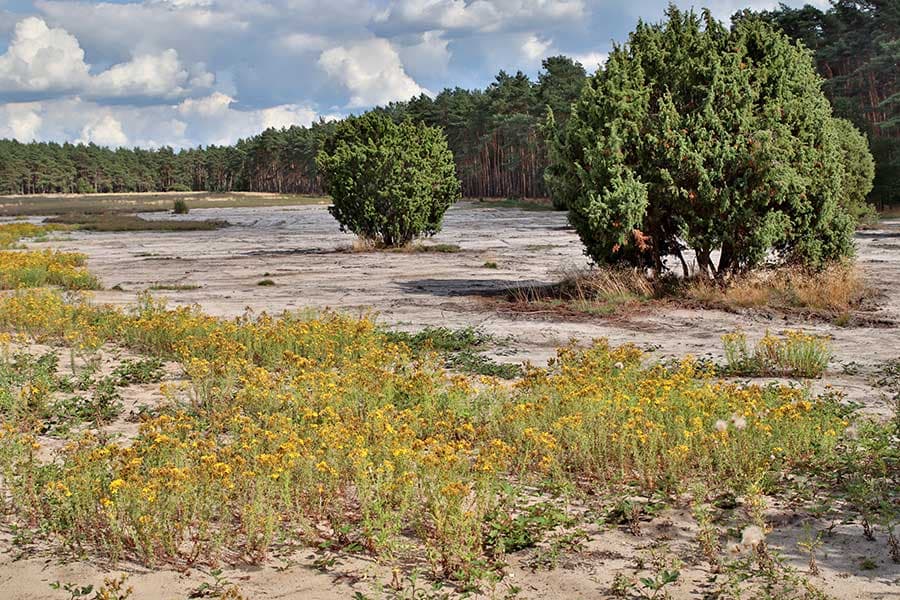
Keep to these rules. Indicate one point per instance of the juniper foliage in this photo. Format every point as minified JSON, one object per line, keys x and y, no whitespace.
{"x":697,"y":136}
{"x":390,"y":182}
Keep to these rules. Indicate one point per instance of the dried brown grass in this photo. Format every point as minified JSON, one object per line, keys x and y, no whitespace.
{"x":837,"y":289}
{"x":838,"y":292}
{"x":591,"y":291}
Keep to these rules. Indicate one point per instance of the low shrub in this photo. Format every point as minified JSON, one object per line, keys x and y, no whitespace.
{"x":648,"y":164}
{"x":390,"y":182}
{"x":45,"y":268}
{"x":795,"y":353}
{"x":180,"y":207}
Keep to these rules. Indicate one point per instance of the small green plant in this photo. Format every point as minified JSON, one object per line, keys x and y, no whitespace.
{"x":652,"y":587}
{"x":74,"y":590}
{"x":180,"y":207}
{"x":629,"y":513}
{"x":220,"y":587}
{"x":507,"y":533}
{"x":460,"y":348}
{"x":708,"y":535}
{"x":113,"y":588}
{"x":408,"y":587}
{"x":479,"y":364}
{"x":490,"y":265}
{"x":867,"y":564}
{"x":547,"y":556}
{"x":810,"y":544}
{"x":142,"y":370}
{"x":265,"y":283}
{"x":105,"y":401}
{"x":442,"y":339}
{"x":621,"y":585}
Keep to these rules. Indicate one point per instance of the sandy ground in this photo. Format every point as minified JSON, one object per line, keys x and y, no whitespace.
{"x":301,"y":249}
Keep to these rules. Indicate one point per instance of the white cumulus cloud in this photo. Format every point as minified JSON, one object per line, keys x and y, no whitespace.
{"x":425,"y":55}
{"x":480,"y":15}
{"x":591,"y":60}
{"x":147,"y":75}
{"x":372,"y":71}
{"x":212,"y":105}
{"x":42,"y":59}
{"x":20,"y":122}
{"x":213,"y":119}
{"x":534,"y":49}
{"x":104,"y":130}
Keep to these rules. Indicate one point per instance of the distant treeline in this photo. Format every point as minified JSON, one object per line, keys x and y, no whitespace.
{"x":856,"y":44}
{"x":495,"y":133}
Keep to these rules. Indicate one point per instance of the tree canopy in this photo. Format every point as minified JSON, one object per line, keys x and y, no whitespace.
{"x":494,"y":133}
{"x":856,"y":44}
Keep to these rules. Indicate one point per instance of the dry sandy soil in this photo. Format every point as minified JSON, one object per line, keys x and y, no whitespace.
{"x":302,"y":250}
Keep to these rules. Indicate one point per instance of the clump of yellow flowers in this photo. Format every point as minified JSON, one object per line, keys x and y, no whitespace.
{"x":12,"y":233}
{"x":301,"y":427}
{"x":38,"y":268}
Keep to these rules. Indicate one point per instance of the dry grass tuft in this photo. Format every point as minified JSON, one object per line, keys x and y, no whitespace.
{"x":837,"y":289}
{"x":591,"y":291}
{"x":361,"y":244}
{"x":835,"y":293}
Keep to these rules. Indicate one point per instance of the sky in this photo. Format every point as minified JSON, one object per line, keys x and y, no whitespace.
{"x":186,"y":72}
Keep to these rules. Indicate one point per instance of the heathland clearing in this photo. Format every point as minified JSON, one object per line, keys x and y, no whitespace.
{"x":589,"y":544}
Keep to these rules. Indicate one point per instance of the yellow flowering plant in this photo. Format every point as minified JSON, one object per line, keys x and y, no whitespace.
{"x":309,"y":426}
